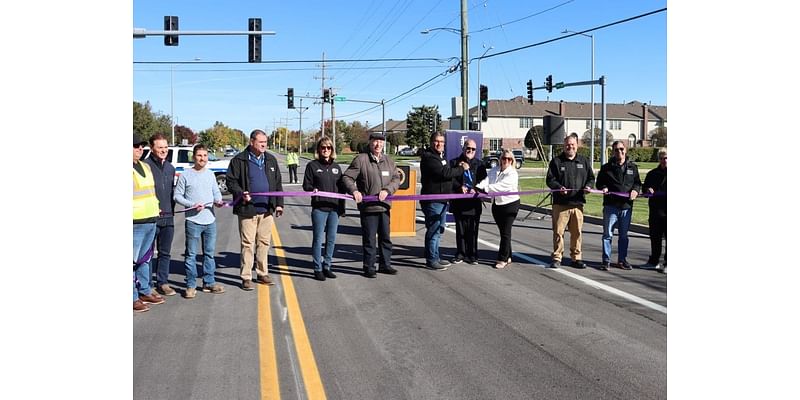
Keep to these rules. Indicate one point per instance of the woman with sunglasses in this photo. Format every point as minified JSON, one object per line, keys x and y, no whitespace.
{"x":323,"y":174}
{"x":503,"y":179}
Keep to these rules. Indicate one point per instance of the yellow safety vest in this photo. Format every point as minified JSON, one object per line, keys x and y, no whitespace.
{"x":145,"y":202}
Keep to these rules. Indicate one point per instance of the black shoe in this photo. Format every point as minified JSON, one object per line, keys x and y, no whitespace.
{"x":625,"y":265}
{"x":387,"y":270}
{"x":555,"y":264}
{"x":437,"y":266}
{"x":471,"y":261}
{"x":328,"y":273}
{"x":457,"y":260}
{"x":318,"y":275}
{"x":604,"y":266}
{"x":578,"y":264}
{"x":370,"y":272}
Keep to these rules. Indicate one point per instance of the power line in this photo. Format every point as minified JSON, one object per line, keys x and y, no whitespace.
{"x":523,"y":18}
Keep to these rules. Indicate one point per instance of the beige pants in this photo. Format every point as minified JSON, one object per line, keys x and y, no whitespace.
{"x":255,"y":231}
{"x":563,"y":217}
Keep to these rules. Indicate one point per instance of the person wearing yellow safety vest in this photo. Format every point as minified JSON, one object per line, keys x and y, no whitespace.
{"x":145,"y":215}
{"x":292,"y":161}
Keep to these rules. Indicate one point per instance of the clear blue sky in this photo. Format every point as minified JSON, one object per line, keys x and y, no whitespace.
{"x":632,"y":56}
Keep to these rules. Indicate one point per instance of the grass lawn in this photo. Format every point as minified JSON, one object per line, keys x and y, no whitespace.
{"x":594,"y":202}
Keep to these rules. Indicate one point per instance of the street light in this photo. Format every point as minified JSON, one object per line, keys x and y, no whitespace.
{"x":479,"y":78}
{"x":464,"y":69}
{"x":591,"y":135}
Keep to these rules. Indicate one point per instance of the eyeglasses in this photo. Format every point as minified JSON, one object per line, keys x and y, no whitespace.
{"x":507,"y":159}
{"x":138,"y":146}
{"x":619,"y":149}
{"x":470,"y":149}
{"x":325,"y":147}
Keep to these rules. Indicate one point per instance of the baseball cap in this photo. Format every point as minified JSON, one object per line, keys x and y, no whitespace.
{"x":376,"y":135}
{"x":138,"y":140}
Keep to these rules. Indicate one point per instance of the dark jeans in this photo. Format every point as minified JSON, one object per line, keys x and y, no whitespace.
{"x":293,"y":173}
{"x":504,"y":216}
{"x":658,"y":231}
{"x":467,"y":235}
{"x":164,"y":235}
{"x":376,"y":224}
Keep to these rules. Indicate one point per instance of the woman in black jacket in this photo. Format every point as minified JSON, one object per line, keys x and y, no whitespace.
{"x":323,"y":174}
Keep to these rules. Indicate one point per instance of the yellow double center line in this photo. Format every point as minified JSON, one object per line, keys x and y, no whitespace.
{"x":269,"y":370}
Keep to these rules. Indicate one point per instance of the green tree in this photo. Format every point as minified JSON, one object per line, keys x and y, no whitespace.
{"x":538,"y":131}
{"x":215,"y":137}
{"x":418,"y":123}
{"x":184,"y":132}
{"x":659,"y":138}
{"x":396,"y":139}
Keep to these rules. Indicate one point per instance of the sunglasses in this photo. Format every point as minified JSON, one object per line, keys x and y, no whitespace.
{"x":619,"y":149}
{"x":507,"y":159}
{"x":470,"y":149}
{"x":138,"y":146}
{"x":663,"y":158}
{"x":325,"y":147}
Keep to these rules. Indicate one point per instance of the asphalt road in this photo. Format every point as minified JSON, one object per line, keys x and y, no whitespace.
{"x":470,"y":332}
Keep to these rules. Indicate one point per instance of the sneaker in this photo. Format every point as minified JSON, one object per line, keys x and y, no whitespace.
{"x":215,"y":288}
{"x":625,"y":265}
{"x":247,"y":284}
{"x":265,"y":280}
{"x":444,"y":263}
{"x":457,"y":260}
{"x":472,"y":261}
{"x":500,"y":265}
{"x":661,"y":268}
{"x":578,"y":264}
{"x":650,"y":266}
{"x":387,"y":270}
{"x":190,"y":293}
{"x":318,"y":275}
{"x":437,"y":266}
{"x":166,"y":290}
{"x":604,"y":266}
{"x":370,"y":273}
{"x":152,"y":298}
{"x":555,"y":264}
{"x":328,"y":274}
{"x":140,"y":307}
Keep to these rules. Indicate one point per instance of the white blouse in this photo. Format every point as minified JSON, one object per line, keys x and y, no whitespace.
{"x":501,"y":181}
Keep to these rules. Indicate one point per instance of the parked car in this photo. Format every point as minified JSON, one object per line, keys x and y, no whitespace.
{"x":231,"y":152}
{"x":181,"y":158}
{"x":408,"y":151}
{"x":493,"y":159}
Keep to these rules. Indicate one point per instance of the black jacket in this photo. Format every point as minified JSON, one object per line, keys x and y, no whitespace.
{"x":437,"y":175}
{"x":325,"y":177}
{"x":619,"y":178}
{"x":237,"y":181}
{"x":478,"y":171}
{"x":657,"y":179}
{"x":164,"y":176}
{"x":571,"y":174}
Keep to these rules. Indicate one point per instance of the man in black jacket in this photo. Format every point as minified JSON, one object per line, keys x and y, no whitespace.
{"x":655,"y":183}
{"x":164,"y":174}
{"x":437,"y":178}
{"x":571,"y":174}
{"x":467,"y":212}
{"x":255,"y":171}
{"x":619,"y":180}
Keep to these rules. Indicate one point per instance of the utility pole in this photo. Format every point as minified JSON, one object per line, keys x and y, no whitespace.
{"x":464,"y":71}
{"x":333,"y":119}
{"x":300,"y":110}
{"x":322,"y":89}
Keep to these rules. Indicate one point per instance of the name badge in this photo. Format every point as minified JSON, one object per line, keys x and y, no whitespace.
{"x":562,"y":168}
{"x":272,"y":169}
{"x":579,"y":166}
{"x":444,"y":162}
{"x":384,"y":173}
{"x":629,"y":172}
{"x":335,"y":171}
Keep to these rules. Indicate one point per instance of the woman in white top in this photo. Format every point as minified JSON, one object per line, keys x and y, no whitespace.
{"x":503,"y":179}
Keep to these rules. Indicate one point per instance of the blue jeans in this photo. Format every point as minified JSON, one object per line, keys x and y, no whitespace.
{"x":143,"y":235}
{"x":434,"y":228}
{"x":208,"y":233}
{"x":164,"y":235}
{"x":621,"y":217}
{"x":323,"y":222}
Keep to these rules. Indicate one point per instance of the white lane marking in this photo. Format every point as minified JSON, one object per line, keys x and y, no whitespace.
{"x":592,"y":283}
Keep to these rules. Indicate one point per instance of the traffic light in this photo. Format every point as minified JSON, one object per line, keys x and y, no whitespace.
{"x":548,"y":83}
{"x":484,"y":102}
{"x":170,"y":24}
{"x":530,"y":91}
{"x":290,"y":97}
{"x":254,"y":41}
{"x":326,"y":95}
{"x":438,"y":120}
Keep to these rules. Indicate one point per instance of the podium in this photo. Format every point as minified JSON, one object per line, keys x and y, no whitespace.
{"x":403,"y":218}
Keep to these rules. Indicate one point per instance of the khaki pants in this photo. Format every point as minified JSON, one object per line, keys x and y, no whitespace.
{"x":563,"y":217}
{"x":255,"y":231}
